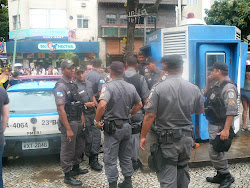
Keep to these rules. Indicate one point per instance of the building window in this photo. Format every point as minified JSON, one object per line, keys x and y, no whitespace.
{"x":111,"y":18}
{"x":123,"y":19}
{"x":82,"y":21}
{"x":15,"y":20}
{"x":192,"y":2}
{"x":151,"y":19}
{"x":48,"y":18}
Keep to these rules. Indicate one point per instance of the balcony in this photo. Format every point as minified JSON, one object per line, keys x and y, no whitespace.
{"x":120,"y":32}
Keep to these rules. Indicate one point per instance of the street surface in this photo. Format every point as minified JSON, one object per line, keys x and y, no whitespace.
{"x":40,"y":172}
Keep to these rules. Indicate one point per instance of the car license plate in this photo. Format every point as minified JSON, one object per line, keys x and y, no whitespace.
{"x":35,"y":145}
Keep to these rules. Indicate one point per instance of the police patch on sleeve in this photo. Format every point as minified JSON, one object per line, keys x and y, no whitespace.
{"x":230,"y":94}
{"x":102,"y":95}
{"x":103,"y":90}
{"x":102,"y":81}
{"x":231,"y":102}
{"x":59,"y":94}
{"x":59,"y":100}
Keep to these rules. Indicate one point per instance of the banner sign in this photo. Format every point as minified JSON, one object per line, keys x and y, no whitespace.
{"x":56,"y":46}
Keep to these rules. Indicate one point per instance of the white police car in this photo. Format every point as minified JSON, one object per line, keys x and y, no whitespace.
{"x":32,"y":128}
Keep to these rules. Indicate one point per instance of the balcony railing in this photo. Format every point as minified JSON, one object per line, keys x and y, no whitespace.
{"x":122,"y":32}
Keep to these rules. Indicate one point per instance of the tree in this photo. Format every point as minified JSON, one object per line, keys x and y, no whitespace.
{"x":4,"y":20}
{"x":71,"y":56}
{"x":133,"y":5}
{"x":234,"y":13}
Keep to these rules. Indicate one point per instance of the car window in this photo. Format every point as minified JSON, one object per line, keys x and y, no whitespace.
{"x":32,"y":102}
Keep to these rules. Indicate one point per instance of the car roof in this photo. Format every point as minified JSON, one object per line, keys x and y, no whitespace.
{"x":33,"y":86}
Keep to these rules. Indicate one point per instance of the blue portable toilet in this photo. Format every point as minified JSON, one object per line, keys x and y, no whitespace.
{"x":200,"y":47}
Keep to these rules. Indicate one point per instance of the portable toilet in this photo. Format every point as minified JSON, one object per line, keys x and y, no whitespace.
{"x":200,"y":47}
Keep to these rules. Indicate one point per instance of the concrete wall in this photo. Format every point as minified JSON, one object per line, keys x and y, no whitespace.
{"x":72,"y":7}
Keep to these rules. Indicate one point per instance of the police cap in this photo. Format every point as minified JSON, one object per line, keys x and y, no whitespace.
{"x":220,"y":66}
{"x":117,"y":67}
{"x":173,"y":61}
{"x":150,"y":60}
{"x":66,"y":63}
{"x":80,"y":69}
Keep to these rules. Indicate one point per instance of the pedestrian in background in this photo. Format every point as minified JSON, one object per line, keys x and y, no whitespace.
{"x":142,"y":69}
{"x":245,"y":97}
{"x":118,"y":99}
{"x":221,"y":108}
{"x":70,"y":124}
{"x":4,"y":118}
{"x":172,"y":103}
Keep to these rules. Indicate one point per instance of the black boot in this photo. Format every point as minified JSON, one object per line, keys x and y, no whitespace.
{"x":76,"y":170}
{"x":127,"y":183}
{"x":69,"y":179}
{"x":216,"y":179}
{"x":113,"y":184}
{"x":135,"y":164}
{"x":94,"y":164}
{"x":227,"y":181}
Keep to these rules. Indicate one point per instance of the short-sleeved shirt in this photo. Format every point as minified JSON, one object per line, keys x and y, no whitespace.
{"x":4,"y":99}
{"x":153,"y":78}
{"x":121,"y":97}
{"x":174,"y":101}
{"x":85,"y":91}
{"x":97,"y":80}
{"x":144,"y":86}
{"x":229,"y":96}
{"x":62,"y":93}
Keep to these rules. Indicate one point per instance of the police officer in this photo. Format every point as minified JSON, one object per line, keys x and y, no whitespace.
{"x":154,"y":72}
{"x":93,"y":134}
{"x":164,"y":73}
{"x":141,"y":87}
{"x":221,"y":107}
{"x":142,"y":69}
{"x":95,"y":77}
{"x":70,"y":113}
{"x":171,"y":103}
{"x":120,"y":99}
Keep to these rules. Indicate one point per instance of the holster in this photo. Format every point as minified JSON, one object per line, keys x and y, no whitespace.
{"x":171,"y":136}
{"x":85,"y":132}
{"x":136,"y":128}
{"x":156,"y":160}
{"x":109,"y":127}
{"x":223,"y":145}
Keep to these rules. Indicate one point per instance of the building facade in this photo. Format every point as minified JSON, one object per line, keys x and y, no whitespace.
{"x":47,"y":29}
{"x":112,"y":25}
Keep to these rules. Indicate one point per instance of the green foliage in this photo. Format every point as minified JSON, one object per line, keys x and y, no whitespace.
{"x":4,"y":20}
{"x":71,"y":56}
{"x":233,"y":13}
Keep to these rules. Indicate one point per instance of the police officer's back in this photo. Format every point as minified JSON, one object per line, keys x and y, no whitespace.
{"x":95,"y":77}
{"x":171,"y":103}
{"x":120,"y":99}
{"x":220,"y":109}
{"x":70,"y":113}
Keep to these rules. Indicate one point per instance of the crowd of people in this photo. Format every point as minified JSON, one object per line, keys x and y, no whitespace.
{"x":90,"y":99}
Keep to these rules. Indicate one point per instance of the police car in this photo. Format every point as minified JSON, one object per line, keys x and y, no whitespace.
{"x":32,"y":128}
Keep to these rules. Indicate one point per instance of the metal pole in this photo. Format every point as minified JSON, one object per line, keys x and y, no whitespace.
{"x":145,"y":33}
{"x":17,"y":21}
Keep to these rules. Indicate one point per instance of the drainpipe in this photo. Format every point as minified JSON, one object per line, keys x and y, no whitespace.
{"x":179,"y":12}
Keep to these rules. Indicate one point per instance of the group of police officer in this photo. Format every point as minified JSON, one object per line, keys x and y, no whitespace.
{"x":88,"y":104}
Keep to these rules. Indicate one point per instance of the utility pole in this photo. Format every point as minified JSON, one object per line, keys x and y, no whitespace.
{"x":17,"y":22}
{"x":179,"y":12}
{"x":145,"y":31}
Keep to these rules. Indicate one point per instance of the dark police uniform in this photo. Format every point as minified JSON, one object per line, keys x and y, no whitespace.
{"x":228,"y":97}
{"x":121,"y":97}
{"x":142,"y":69}
{"x":93,"y":138}
{"x":72,"y":151}
{"x":97,"y":80}
{"x":153,"y":77}
{"x":141,"y":86}
{"x":173,"y":101}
